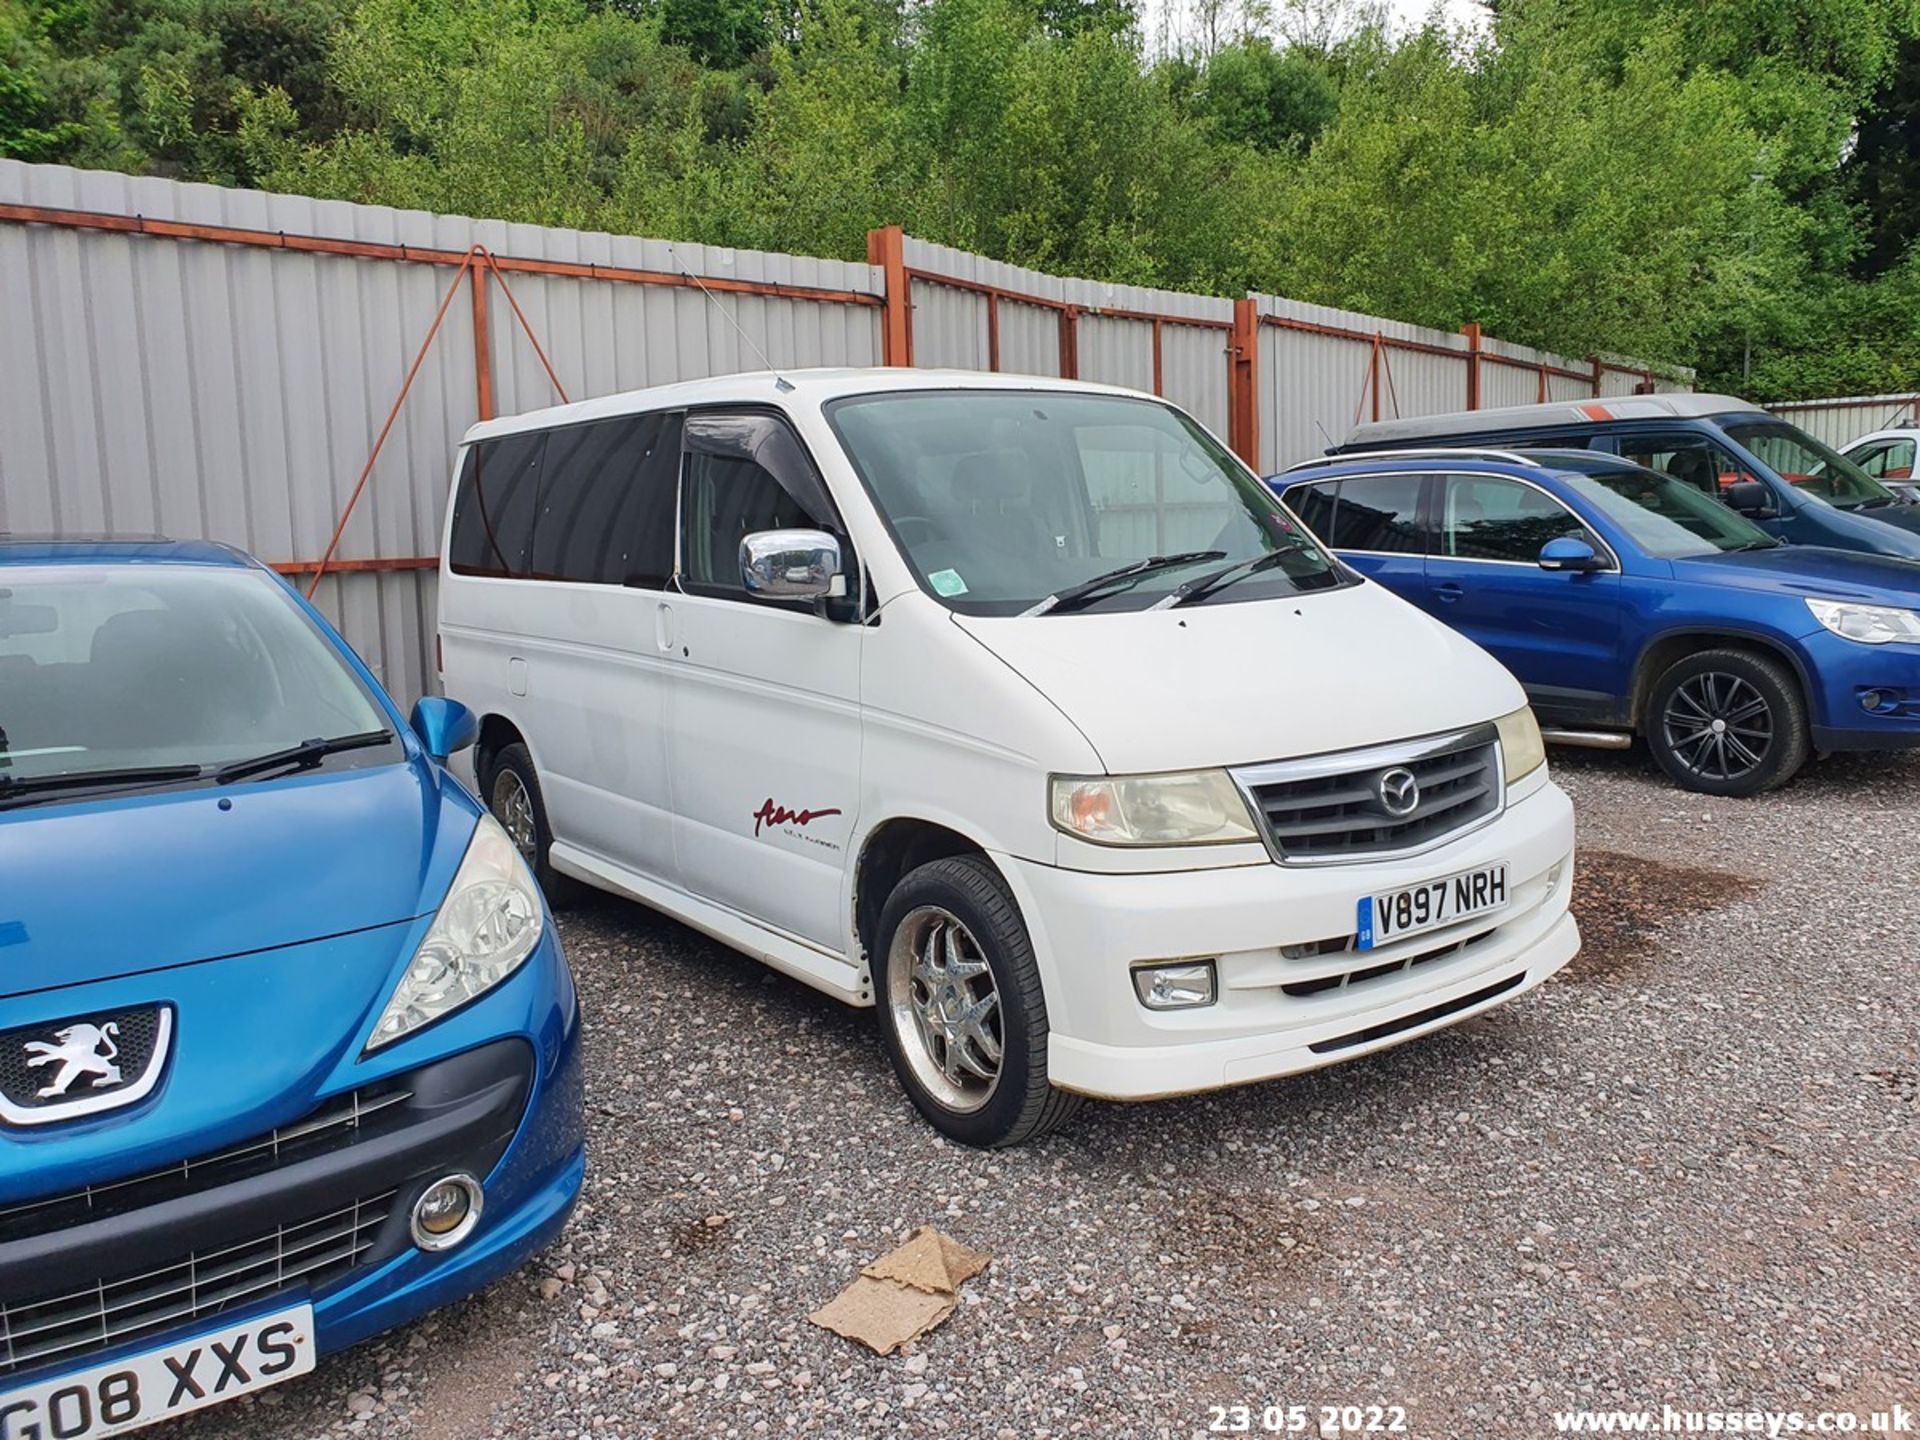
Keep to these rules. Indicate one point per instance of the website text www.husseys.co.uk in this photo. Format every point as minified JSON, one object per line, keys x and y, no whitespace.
{"x":1898,"y":1420}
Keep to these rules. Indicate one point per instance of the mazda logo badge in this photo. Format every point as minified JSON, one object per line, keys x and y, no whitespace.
{"x":1398,"y":790}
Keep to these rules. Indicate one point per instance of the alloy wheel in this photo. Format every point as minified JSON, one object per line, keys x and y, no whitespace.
{"x":945,"y":1008}
{"x":513,"y":808}
{"x":1718,"y":725}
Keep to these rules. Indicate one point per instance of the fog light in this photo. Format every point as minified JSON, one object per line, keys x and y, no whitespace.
{"x":446,"y":1212}
{"x":1174,"y":987}
{"x":1872,"y":700}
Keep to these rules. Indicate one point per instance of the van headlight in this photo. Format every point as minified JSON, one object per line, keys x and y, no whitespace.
{"x":1869,"y":624}
{"x":1522,"y":751}
{"x":1198,"y":807}
{"x":484,"y":931}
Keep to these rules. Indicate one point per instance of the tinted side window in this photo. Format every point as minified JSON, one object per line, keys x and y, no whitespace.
{"x":1314,"y":504}
{"x":743,"y":473}
{"x":1693,"y":459}
{"x":1484,"y":517}
{"x":607,"y":497}
{"x":1378,"y":512}
{"x":493,"y":508}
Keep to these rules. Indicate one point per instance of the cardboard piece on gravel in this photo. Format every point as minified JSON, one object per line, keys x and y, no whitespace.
{"x":903,"y":1294}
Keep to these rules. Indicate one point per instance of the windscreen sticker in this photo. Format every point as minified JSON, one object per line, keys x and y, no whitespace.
{"x":947,"y":582}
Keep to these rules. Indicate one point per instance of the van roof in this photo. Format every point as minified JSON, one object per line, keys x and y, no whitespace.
{"x":767,"y":387}
{"x":1553,"y":414}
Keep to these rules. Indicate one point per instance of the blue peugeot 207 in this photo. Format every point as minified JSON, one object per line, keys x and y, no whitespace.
{"x":1626,"y":601}
{"x":288,"y":1048}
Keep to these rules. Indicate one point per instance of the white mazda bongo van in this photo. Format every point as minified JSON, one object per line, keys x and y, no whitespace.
{"x":1016,"y":708}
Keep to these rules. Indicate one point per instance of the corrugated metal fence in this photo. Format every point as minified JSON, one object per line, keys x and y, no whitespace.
{"x":1840,"y":422}
{"x":198,"y":361}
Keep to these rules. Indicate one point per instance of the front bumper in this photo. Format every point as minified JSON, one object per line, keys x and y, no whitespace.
{"x":1277,"y":1014}
{"x":1865,"y":697}
{"x":316,"y":1208}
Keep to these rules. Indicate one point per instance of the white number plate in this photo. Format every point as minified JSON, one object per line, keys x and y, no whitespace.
{"x":1393,"y":915}
{"x":159,"y":1384}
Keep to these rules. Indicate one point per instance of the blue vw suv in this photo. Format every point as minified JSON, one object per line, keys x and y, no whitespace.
{"x":288,"y":1049}
{"x":1626,"y":600}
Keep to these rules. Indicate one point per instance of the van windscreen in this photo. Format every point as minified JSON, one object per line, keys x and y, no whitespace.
{"x":1003,"y":500}
{"x":1807,"y":465}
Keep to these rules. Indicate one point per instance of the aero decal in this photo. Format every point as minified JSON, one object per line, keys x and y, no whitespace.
{"x":772,"y":814}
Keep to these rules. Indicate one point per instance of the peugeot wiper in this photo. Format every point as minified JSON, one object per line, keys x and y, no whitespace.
{"x":1205,"y":585}
{"x":1763,"y":543}
{"x":24,"y":789}
{"x":307,"y":752}
{"x":1073,"y":595}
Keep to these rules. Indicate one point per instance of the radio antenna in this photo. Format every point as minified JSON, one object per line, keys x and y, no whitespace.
{"x":1323,"y":433}
{"x":780,"y":381}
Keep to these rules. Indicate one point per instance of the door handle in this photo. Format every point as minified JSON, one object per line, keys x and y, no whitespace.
{"x":663,"y":626}
{"x":1448,"y":590}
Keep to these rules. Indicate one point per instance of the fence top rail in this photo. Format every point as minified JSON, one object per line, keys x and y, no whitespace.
{"x":417,"y":254}
{"x":1091,"y":309}
{"x":1848,"y":402}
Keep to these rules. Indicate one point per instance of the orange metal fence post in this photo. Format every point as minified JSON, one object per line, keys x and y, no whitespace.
{"x":482,"y":345}
{"x":1472,"y":331}
{"x":1599,"y":377}
{"x":1069,"y":342}
{"x":887,"y":248}
{"x":1243,"y":382}
{"x":993,"y":333}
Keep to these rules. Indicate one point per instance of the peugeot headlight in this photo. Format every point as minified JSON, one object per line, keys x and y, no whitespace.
{"x":1200,"y":807}
{"x":486,"y":928}
{"x":1869,"y":624}
{"x":1522,"y":751}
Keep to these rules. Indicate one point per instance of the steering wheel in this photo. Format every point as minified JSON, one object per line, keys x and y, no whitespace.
{"x":928,"y":529}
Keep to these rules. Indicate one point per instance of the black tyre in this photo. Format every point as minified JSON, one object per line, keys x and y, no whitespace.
{"x":961,"y":1008}
{"x":1728,"y":722}
{"x":511,"y":790}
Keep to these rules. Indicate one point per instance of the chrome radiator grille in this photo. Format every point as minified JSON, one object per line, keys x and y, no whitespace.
{"x":1384,"y":800}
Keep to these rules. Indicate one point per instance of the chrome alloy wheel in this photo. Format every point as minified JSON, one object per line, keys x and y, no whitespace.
{"x":513,"y":808}
{"x":1719,"y":725}
{"x":945,"y":1008}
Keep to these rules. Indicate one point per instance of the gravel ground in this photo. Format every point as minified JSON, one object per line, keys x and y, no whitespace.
{"x":1683,"y":1172}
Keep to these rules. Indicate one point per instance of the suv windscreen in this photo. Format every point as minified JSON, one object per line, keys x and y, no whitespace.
{"x":1002,"y":499}
{"x":1667,"y":518}
{"x":1807,"y":465}
{"x":188,"y":668}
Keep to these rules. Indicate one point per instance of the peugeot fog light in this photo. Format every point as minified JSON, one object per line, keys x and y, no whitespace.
{"x":486,"y":928}
{"x":1869,"y":624}
{"x":1522,"y":750}
{"x":1200,"y":807}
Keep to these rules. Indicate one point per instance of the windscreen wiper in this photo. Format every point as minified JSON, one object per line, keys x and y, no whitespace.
{"x":307,"y":752}
{"x":1762,"y":544}
{"x":1205,"y":585}
{"x":1087,"y":589}
{"x":24,"y":789}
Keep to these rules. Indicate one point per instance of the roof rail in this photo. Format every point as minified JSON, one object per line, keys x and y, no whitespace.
{"x":1512,"y":457}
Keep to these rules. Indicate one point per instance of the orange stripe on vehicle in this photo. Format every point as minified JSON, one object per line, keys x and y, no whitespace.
{"x":1596,"y":412}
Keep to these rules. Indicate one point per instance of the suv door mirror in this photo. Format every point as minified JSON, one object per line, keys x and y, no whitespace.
{"x":792,"y":565}
{"x":1749,"y":497}
{"x":1569,"y":553}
